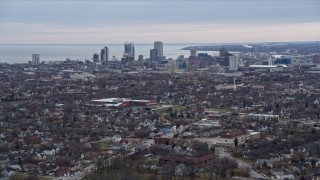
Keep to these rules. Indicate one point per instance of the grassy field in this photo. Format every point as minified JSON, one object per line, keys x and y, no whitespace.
{"x":104,"y":146}
{"x":218,"y":109}
{"x":174,"y":109}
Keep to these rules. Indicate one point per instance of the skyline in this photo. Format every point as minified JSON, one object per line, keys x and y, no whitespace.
{"x":143,"y":22}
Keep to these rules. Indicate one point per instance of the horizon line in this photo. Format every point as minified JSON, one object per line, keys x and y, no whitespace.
{"x":257,"y":42}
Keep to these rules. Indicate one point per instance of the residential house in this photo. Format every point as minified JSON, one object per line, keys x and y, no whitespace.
{"x":285,"y":176}
{"x":116,"y":138}
{"x":264,"y":162}
{"x":4,"y":160}
{"x":116,"y":146}
{"x":49,"y":152}
{"x":297,"y":167}
{"x":316,"y":176}
{"x":277,"y":171}
{"x":163,"y":141}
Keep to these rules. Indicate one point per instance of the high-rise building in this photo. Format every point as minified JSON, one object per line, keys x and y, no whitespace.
{"x":35,"y":59}
{"x":154,"y":55}
{"x":95,"y":57}
{"x":129,"y":50}
{"x":104,"y":55}
{"x":223,"y":52}
{"x":233,"y":63}
{"x":158,"y":45}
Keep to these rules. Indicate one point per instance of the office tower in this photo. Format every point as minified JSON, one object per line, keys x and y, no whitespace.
{"x":129,"y":50}
{"x":223,"y":52}
{"x":158,"y":45}
{"x":154,"y":55}
{"x":95,"y":57}
{"x":104,"y":55}
{"x":35,"y":59}
{"x":233,"y":63}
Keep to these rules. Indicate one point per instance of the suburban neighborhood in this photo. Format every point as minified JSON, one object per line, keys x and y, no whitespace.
{"x":196,"y":117}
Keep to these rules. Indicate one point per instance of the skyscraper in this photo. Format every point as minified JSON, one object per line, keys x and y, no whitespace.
{"x":233,"y":63}
{"x":158,"y":45}
{"x":35,"y":59}
{"x":104,"y":55}
{"x":95,"y":57}
{"x":129,"y":50}
{"x":154,"y":55}
{"x":223,"y":52}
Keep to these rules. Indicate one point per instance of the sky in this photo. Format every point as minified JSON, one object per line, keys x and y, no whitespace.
{"x":145,"y":21}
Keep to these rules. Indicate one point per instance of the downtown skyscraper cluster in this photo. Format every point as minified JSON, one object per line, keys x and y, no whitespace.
{"x":156,"y":54}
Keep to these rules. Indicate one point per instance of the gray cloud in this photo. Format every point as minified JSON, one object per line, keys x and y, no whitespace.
{"x":131,"y":17}
{"x":93,"y":12}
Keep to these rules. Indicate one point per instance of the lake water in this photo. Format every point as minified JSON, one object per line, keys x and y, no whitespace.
{"x":22,"y":53}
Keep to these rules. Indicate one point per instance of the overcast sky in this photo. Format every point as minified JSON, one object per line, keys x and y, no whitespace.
{"x":172,"y":21}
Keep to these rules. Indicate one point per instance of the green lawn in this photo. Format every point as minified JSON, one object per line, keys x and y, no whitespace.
{"x":218,"y":109}
{"x":104,"y":146}
{"x":174,"y":109}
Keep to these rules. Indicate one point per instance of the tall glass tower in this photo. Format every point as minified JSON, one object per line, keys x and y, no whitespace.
{"x":158,"y":45}
{"x":129,"y":49}
{"x":104,"y":55}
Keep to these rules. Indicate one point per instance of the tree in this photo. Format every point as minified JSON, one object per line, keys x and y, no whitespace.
{"x":63,"y":161}
{"x":143,"y":132}
{"x":117,"y":163}
{"x":222,"y":165}
{"x":236,"y":143}
{"x":264,"y":165}
{"x":212,"y":148}
{"x":169,"y":171}
{"x":245,"y":171}
{"x":158,"y":150}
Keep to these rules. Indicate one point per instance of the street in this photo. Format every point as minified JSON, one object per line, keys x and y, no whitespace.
{"x":253,"y":174}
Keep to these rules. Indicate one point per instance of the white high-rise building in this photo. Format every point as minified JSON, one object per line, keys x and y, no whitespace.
{"x":158,"y":45}
{"x":233,"y":63}
{"x":35,"y":59}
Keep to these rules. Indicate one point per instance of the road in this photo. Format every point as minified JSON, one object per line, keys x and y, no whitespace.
{"x":253,"y":173}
